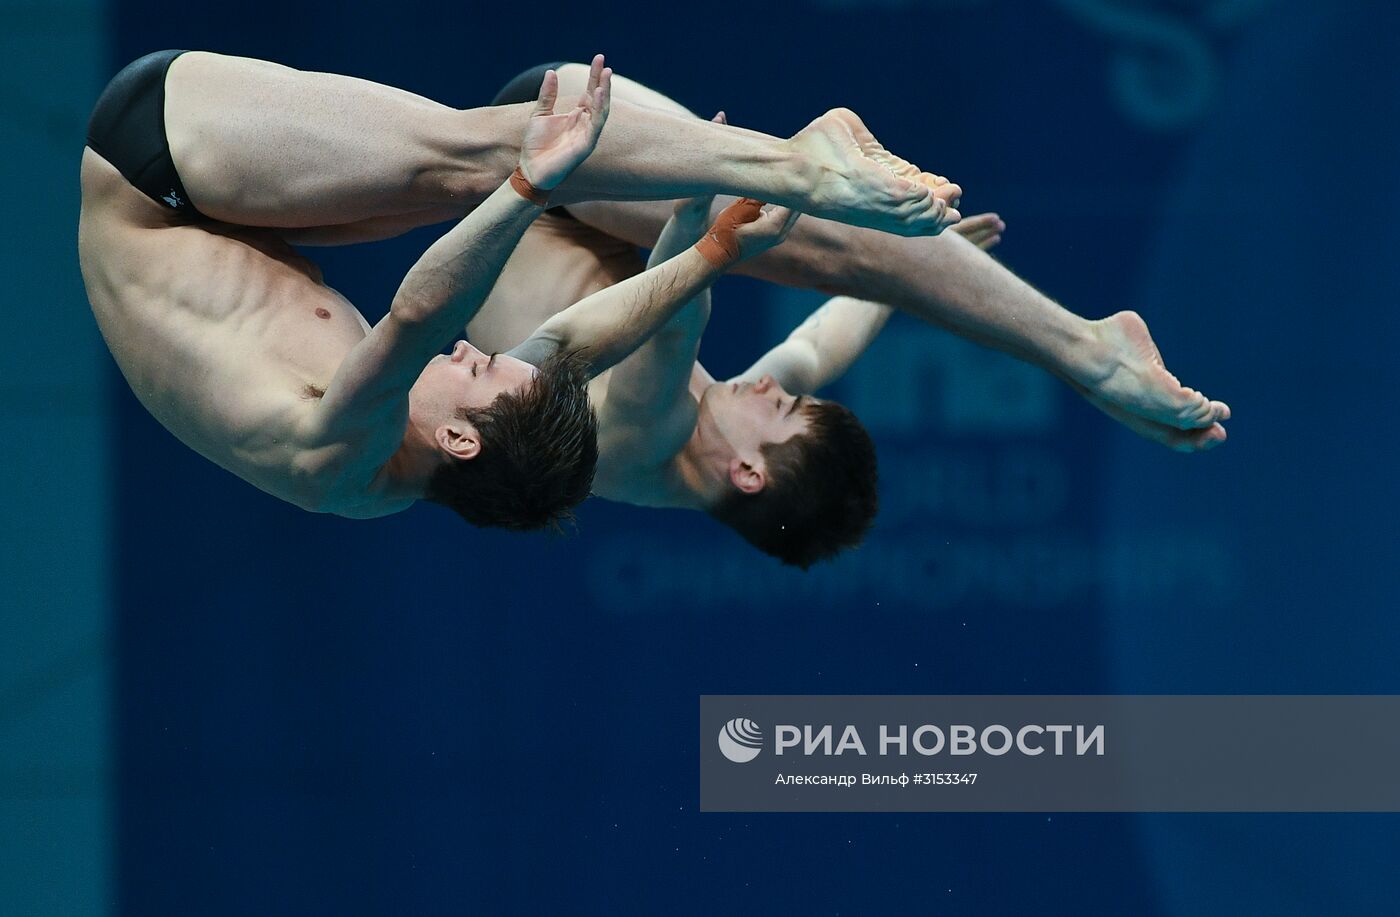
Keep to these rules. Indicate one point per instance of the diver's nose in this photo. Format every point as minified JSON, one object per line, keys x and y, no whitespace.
{"x":764,"y":383}
{"x":459,"y":352}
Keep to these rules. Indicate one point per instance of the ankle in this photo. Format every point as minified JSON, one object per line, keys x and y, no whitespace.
{"x":1085,"y":352}
{"x":801,"y":172}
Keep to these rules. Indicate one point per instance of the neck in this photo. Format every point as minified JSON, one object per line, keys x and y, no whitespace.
{"x":702,"y":468}
{"x":406,"y":473}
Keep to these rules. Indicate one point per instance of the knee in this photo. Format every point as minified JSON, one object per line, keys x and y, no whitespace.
{"x":461,"y":156}
{"x":450,"y":186}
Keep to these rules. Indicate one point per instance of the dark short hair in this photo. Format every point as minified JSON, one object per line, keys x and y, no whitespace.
{"x":821,"y":494}
{"x":539,"y":449}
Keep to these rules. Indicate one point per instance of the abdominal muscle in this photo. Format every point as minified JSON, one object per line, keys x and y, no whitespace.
{"x":226,"y":335}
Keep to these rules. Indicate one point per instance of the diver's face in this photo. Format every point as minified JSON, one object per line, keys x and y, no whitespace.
{"x":469,"y":378}
{"x":465,"y":378}
{"x":751,"y":415}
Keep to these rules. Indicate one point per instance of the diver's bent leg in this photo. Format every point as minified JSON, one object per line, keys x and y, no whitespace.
{"x":949,"y":282}
{"x":265,"y":145}
{"x":260,"y":144}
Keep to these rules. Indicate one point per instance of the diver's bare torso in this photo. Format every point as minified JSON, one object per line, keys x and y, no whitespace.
{"x":558,"y":262}
{"x":229,"y":338}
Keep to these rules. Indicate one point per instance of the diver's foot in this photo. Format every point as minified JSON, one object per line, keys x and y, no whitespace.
{"x":1195,"y":440}
{"x":1127,"y":380}
{"x":983,"y":230}
{"x":858,"y":181}
{"x":875,"y":150}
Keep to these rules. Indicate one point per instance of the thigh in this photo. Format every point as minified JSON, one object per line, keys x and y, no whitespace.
{"x":261,"y":144}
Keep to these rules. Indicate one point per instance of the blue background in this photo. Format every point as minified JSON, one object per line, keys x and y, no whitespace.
{"x":408,"y":716}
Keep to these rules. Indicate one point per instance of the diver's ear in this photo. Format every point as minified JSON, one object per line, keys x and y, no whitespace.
{"x":459,"y":439}
{"x":750,"y":479}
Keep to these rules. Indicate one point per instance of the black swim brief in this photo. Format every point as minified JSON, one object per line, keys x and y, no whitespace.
{"x":127,"y":129}
{"x":526,"y":88}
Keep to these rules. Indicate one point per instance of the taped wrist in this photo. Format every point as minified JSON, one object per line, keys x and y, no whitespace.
{"x":522,"y":187}
{"x":720,"y":246}
{"x":719,"y":251}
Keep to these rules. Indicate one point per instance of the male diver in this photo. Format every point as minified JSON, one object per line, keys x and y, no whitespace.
{"x":200,"y":169}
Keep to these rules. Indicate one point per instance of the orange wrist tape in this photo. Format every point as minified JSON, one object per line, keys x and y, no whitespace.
{"x":720,"y":246}
{"x":522,"y":187}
